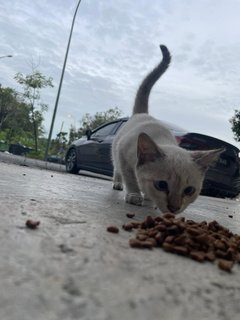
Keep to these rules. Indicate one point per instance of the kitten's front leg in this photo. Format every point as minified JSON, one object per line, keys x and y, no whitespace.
{"x":133,"y":196}
{"x":117,"y":181}
{"x":133,"y":193}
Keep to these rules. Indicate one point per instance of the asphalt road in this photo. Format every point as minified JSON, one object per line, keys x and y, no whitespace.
{"x":71,"y":268}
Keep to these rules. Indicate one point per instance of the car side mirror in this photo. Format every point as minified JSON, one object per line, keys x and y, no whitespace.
{"x":88,"y":133}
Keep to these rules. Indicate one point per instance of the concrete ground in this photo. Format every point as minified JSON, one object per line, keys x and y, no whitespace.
{"x":71,"y":268}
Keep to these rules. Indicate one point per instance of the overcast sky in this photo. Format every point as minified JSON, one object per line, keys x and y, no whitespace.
{"x":115,"y":43}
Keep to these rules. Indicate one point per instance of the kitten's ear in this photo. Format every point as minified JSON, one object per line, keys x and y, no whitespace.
{"x":205,"y":158}
{"x":147,"y":150}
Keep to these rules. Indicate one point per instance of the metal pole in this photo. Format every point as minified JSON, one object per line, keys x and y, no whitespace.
{"x":60,"y":85}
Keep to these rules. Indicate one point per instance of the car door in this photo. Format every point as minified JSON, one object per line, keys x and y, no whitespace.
{"x":96,"y":153}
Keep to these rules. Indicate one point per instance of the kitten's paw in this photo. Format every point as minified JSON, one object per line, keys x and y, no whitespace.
{"x":117,"y":186}
{"x":134,"y":198}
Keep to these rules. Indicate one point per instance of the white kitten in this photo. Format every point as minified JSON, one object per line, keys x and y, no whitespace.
{"x":147,"y":159}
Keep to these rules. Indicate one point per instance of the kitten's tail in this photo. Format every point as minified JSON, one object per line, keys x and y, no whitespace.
{"x":141,"y":100}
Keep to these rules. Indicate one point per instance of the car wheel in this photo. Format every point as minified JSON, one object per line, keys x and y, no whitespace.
{"x":71,"y":161}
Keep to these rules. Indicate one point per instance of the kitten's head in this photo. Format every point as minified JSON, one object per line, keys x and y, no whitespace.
{"x":170,"y":176}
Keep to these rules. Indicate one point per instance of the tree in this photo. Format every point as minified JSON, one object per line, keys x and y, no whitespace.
{"x":8,"y":102}
{"x":15,"y":121}
{"x":235,"y":121}
{"x":73,"y":134}
{"x":58,"y":145}
{"x":92,"y":122}
{"x":32,"y":84}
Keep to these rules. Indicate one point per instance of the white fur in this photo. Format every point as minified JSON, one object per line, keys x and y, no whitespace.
{"x":144,"y":152}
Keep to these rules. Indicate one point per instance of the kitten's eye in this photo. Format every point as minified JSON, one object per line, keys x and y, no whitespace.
{"x":189,"y":191}
{"x":161,"y":185}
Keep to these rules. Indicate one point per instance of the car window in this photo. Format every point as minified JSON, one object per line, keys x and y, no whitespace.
{"x":105,"y":131}
{"x":120,"y":126}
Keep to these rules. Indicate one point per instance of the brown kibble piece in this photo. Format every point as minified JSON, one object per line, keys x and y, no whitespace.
{"x":167,"y":222}
{"x":113,"y":229}
{"x":202,"y":239}
{"x":219,"y":245}
{"x":168,"y":247}
{"x":168,"y":215}
{"x":169,"y":239}
{"x":141,"y":237}
{"x":128,"y":226}
{"x":148,"y":222}
{"x":130,"y":215}
{"x":194,"y":231}
{"x":173,"y":230}
{"x":159,"y":237}
{"x":135,"y":224}
{"x":32,"y":224}
{"x":197,"y":255}
{"x":180,"y":240}
{"x":160,"y":227}
{"x":210,"y":256}
{"x":148,"y":244}
{"x":135,"y":243}
{"x":225,"y":265}
{"x":180,"y":250}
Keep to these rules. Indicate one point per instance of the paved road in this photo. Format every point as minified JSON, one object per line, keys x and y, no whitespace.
{"x":71,"y":268}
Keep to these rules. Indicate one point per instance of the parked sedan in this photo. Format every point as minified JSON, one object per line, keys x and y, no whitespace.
{"x":93,"y":153}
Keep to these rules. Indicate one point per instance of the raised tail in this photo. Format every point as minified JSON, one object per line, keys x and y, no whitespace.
{"x":142,"y":96}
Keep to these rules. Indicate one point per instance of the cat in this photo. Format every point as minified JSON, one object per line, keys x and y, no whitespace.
{"x":148,"y":161}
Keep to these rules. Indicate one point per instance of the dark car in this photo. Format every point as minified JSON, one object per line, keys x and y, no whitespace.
{"x":93,"y":153}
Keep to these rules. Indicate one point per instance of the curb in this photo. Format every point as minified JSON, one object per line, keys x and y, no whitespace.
{"x":28,"y":162}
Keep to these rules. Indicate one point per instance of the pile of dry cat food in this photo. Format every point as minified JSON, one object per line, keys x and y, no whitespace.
{"x":200,"y":241}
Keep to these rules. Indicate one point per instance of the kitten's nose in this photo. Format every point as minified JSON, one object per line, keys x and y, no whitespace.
{"x":173,"y":208}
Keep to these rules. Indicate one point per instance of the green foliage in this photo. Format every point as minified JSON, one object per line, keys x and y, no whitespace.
{"x":235,"y":122}
{"x":99,"y":118}
{"x":8,"y":103}
{"x":73,"y":135}
{"x":32,"y":84}
{"x":92,"y":122}
{"x":3,"y":146}
{"x":58,"y":145}
{"x":15,"y":122}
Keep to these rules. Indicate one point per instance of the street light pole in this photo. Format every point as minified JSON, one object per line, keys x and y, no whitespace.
{"x":60,"y":84}
{"x":7,"y":56}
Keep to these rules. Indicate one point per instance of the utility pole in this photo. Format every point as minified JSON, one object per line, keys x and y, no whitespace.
{"x":60,"y":85}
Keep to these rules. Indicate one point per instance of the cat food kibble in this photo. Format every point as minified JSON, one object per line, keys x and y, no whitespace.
{"x":32,"y":224}
{"x":130,"y":215}
{"x":200,"y":241}
{"x":113,"y":229}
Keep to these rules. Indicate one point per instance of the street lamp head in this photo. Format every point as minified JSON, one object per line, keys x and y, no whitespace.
{"x":6,"y":56}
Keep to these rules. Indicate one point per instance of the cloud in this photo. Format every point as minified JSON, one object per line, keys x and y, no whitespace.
{"x":116,"y":43}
